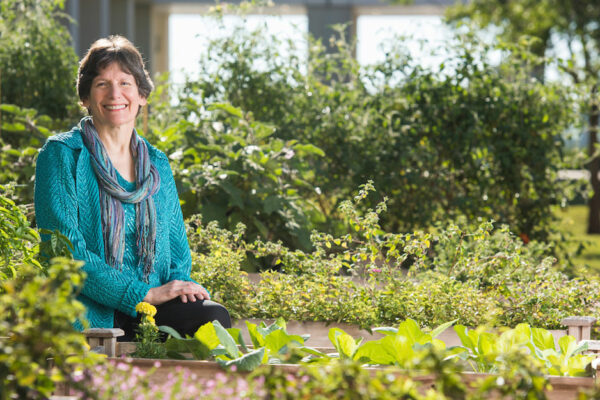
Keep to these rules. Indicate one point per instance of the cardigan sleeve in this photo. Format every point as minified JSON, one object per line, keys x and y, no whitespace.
{"x":56,"y":208}
{"x":181,"y":258}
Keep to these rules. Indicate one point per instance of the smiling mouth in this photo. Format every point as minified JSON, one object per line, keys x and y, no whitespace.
{"x":113,"y":108}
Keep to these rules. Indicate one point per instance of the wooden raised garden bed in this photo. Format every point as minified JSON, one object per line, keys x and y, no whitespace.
{"x":105,"y":340}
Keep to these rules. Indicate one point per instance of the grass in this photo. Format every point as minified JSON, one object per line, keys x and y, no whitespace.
{"x":574,"y":220}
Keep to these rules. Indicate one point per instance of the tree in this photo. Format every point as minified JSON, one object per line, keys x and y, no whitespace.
{"x":465,"y":138}
{"x":37,"y":61}
{"x":574,"y":21}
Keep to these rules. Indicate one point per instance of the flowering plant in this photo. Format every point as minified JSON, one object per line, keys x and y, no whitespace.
{"x":147,"y":338}
{"x":146,"y":309}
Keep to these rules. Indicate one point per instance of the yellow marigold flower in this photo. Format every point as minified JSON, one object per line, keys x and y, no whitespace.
{"x":150,"y":320}
{"x":146,"y":308}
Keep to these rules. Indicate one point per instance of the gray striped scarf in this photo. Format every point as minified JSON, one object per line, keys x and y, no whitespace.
{"x":147,"y":183}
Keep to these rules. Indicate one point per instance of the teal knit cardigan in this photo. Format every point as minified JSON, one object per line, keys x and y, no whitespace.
{"x":67,"y":200}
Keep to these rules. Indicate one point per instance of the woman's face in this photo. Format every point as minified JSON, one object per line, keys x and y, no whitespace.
{"x":114,"y":99}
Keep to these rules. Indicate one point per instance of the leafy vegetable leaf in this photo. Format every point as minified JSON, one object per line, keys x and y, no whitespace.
{"x":247,"y":362}
{"x":226,"y":340}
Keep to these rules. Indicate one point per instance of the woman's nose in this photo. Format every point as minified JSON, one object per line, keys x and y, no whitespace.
{"x":115,"y":91}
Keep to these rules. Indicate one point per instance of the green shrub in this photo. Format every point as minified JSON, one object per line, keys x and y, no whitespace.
{"x":39,"y":347}
{"x":432,"y":299}
{"x":477,"y":275}
{"x":19,"y":242}
{"x":232,"y":169}
{"x":38,"y":64}
{"x":313,"y":298}
{"x":24,"y":131}
{"x":339,"y":380}
{"x":36,"y":316}
{"x":546,"y":300}
{"x":487,"y":255}
{"x":217,"y":257}
{"x":464,"y":138}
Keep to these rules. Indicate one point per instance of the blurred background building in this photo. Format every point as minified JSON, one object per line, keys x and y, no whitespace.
{"x":152,"y":24}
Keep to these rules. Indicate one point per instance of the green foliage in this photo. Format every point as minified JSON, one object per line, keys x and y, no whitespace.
{"x":217,"y":259}
{"x":36,"y":316}
{"x":434,"y":378}
{"x":546,"y":299}
{"x":38,"y":64}
{"x":320,"y":297}
{"x":476,"y":274}
{"x":343,"y":379}
{"x":22,"y":132}
{"x":486,"y":350}
{"x":434,"y":299}
{"x":272,"y":344}
{"x":518,"y":357}
{"x":574,"y":22}
{"x":541,"y":24}
{"x":232,"y":169}
{"x":18,"y":241}
{"x":147,"y":341}
{"x":516,"y":19}
{"x":487,"y":256}
{"x":39,"y":347}
{"x":466,"y":138}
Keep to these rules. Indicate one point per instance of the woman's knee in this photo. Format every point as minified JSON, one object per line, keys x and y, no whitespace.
{"x":216,"y":311}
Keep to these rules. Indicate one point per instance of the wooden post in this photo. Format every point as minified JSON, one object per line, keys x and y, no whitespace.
{"x":579,"y":327}
{"x":105,"y":338}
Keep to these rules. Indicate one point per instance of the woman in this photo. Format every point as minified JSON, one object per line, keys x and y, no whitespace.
{"x":113,"y":195}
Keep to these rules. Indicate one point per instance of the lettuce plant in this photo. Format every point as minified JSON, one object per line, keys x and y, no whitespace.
{"x":271,"y":345}
{"x":485,"y":350}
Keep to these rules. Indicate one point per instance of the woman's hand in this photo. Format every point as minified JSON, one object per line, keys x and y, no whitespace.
{"x":187,"y":291}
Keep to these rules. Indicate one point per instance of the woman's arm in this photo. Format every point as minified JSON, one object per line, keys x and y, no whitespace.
{"x":181,"y":258}
{"x":56,"y":208}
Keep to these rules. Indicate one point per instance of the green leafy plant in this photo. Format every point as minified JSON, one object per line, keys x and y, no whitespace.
{"x":19,"y":242}
{"x":23,"y":132}
{"x":429,"y":136}
{"x":476,"y":273}
{"x":147,"y":337}
{"x":485,"y":349}
{"x":231,"y":169}
{"x":38,"y":63}
{"x":399,"y":346}
{"x":39,"y":348}
{"x":271,"y":344}
{"x":402,"y":347}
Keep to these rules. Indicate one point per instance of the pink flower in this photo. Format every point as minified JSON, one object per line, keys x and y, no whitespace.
{"x":78,"y":376}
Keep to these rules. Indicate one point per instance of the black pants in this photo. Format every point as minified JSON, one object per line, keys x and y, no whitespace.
{"x":185,"y":318}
